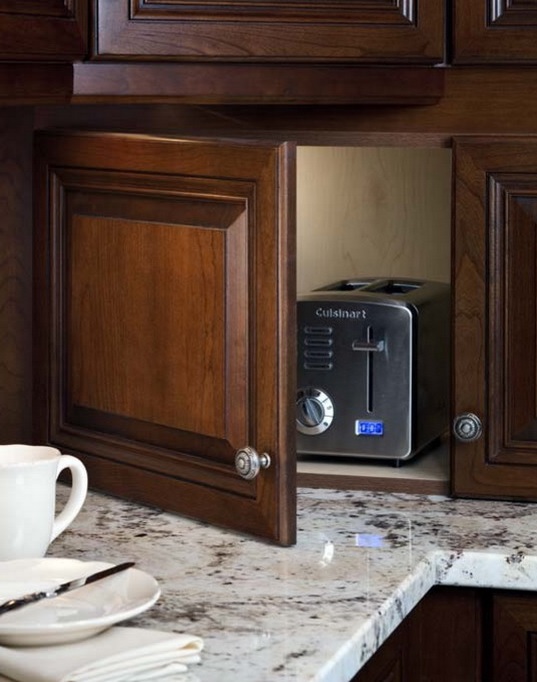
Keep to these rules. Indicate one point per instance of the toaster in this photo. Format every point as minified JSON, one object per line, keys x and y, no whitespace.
{"x":373,"y":368}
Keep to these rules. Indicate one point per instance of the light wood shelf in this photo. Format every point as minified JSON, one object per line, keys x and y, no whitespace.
{"x":427,"y":473}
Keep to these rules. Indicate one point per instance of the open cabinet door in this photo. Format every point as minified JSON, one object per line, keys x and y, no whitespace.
{"x":165,"y":321}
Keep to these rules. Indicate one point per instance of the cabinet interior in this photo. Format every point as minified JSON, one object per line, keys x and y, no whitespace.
{"x":374,"y":211}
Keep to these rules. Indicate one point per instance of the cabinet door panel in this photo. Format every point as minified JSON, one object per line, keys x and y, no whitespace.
{"x":495,"y":31}
{"x":495,"y":328}
{"x":42,"y":29}
{"x":514,"y":638}
{"x":350,"y":30}
{"x":165,"y":320}
{"x":439,"y":641}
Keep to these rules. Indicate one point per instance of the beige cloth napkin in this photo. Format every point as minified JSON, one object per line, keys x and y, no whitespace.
{"x":119,"y":654}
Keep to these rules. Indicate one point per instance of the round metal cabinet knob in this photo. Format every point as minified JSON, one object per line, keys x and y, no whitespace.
{"x":467,"y":427}
{"x":249,"y":463}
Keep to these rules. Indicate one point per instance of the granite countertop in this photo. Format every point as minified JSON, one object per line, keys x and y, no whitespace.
{"x":316,"y":611}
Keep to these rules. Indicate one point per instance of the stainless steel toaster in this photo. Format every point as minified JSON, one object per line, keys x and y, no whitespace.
{"x":373,"y":368}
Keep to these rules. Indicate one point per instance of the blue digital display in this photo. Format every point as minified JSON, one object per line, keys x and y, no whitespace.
{"x":369,"y":428}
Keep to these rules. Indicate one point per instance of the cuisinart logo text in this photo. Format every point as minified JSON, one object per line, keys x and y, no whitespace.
{"x":341,"y":313}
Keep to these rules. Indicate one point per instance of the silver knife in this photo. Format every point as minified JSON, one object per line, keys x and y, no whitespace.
{"x":17,"y":602}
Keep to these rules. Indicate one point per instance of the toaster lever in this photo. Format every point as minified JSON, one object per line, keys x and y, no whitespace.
{"x":368,"y":346}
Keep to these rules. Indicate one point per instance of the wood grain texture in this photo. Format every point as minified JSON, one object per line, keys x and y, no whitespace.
{"x":15,"y":275}
{"x":494,"y":332}
{"x":440,"y":640}
{"x":476,"y":100}
{"x":138,"y":353}
{"x":485,"y":31}
{"x":514,"y":628}
{"x":367,"y":212}
{"x":164,"y":320}
{"x":54,"y":30}
{"x":264,"y":31}
{"x":31,"y":83}
{"x":259,"y":83}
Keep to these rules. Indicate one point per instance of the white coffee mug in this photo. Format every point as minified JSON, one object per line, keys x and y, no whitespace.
{"x":28,"y":520}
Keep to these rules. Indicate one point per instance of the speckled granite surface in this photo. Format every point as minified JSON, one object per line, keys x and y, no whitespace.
{"x":318,"y":610}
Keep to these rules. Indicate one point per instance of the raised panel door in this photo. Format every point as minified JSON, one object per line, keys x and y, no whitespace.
{"x":494,"y":31}
{"x":43,"y":29}
{"x":495,"y":320}
{"x":514,"y":637}
{"x":164,"y":321}
{"x":441,"y":640}
{"x":385,"y":31}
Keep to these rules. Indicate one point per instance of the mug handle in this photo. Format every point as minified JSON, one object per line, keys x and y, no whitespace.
{"x":79,"y":490}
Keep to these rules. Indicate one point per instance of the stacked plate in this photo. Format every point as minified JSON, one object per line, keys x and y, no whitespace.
{"x":73,"y":615}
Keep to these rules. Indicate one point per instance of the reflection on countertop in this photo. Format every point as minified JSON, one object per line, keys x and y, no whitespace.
{"x":316,"y":611}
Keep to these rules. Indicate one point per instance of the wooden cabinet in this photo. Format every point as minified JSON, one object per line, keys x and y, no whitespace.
{"x":164,"y":326}
{"x":33,"y":30}
{"x":494,"y":322}
{"x":439,"y":641}
{"x":39,"y":40}
{"x":467,"y":635}
{"x":491,"y":32}
{"x":271,"y":30}
{"x":514,"y":637}
{"x":165,"y":296}
{"x":473,"y":31}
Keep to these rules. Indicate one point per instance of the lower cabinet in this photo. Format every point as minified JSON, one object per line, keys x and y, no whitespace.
{"x":461,"y":635}
{"x":439,"y":641}
{"x":514,"y":650}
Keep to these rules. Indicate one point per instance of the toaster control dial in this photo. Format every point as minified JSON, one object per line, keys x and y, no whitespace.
{"x":314,"y":411}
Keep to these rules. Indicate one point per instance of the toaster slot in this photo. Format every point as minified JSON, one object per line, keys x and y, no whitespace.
{"x":392,"y":286}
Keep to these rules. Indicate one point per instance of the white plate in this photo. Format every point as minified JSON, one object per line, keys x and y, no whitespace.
{"x":73,"y":615}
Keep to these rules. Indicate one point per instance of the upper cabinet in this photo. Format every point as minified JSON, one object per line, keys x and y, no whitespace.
{"x":494,"y":31}
{"x":35,"y":30}
{"x":494,"y":265}
{"x":358,"y":31}
{"x":385,"y":31}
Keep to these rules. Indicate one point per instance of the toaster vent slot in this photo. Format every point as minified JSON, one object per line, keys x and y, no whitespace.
{"x":317,"y":351}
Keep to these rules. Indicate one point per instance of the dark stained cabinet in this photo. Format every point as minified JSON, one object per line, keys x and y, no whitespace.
{"x":462,"y":635}
{"x":165,"y":296}
{"x":465,"y":32}
{"x":514,"y":637}
{"x":441,"y":640}
{"x":494,"y":31}
{"x":494,"y":320}
{"x":271,"y":30}
{"x":34,"y":30}
{"x":164,"y":327}
{"x":164,"y":268}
